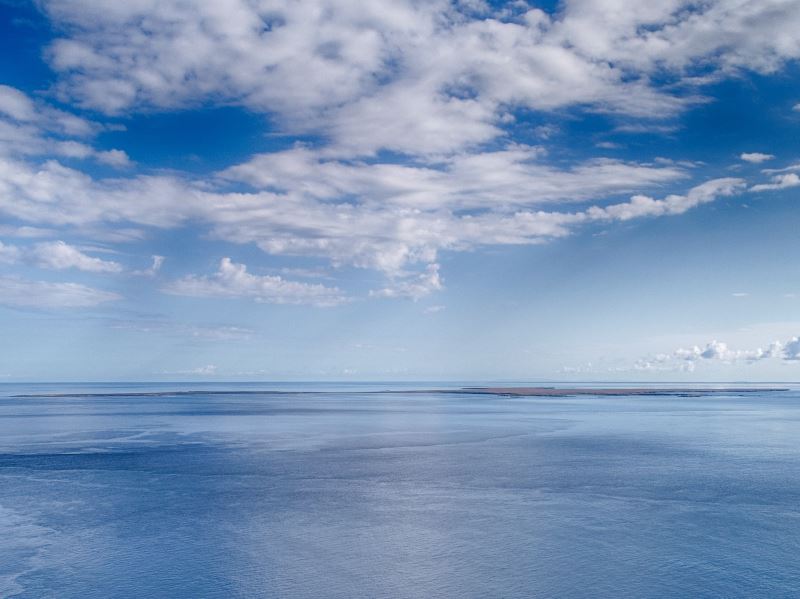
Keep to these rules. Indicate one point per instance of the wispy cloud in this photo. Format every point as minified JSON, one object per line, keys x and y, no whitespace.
{"x":24,"y":293}
{"x":233,"y":281}
{"x":57,"y":255}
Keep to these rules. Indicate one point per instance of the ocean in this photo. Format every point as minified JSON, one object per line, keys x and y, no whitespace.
{"x":332,"y":490}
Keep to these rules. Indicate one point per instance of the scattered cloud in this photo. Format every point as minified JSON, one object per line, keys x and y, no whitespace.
{"x":152,"y":271}
{"x":363,"y":75}
{"x":718,"y":351}
{"x":414,"y":286}
{"x":233,"y":281}
{"x":756,"y":157}
{"x":29,"y":127}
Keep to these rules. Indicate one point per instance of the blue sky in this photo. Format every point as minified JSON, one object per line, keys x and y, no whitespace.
{"x":256,"y":190}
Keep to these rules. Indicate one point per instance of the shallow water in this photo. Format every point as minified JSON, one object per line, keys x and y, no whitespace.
{"x":352,"y":494}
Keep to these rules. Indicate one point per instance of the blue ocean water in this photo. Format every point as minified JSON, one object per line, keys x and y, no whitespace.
{"x":346,"y":493}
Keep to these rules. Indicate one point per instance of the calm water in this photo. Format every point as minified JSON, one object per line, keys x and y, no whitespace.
{"x":351,"y":494}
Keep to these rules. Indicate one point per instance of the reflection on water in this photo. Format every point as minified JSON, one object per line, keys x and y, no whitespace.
{"x":352,"y":494}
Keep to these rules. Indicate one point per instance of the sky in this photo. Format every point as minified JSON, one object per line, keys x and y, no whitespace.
{"x":588,"y":190}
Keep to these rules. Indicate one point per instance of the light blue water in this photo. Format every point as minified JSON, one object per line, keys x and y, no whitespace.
{"x":350,"y":494}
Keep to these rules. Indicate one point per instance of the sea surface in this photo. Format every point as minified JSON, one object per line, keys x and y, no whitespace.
{"x":334,"y":491}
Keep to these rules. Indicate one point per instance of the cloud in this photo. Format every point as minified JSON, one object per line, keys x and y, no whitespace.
{"x":756,"y":157}
{"x":184,"y":331}
{"x":25,"y":232}
{"x":514,"y":175}
{"x":791,"y":349}
{"x":365,"y":77}
{"x":56,"y":255}
{"x":642,"y":206}
{"x":152,"y":271}
{"x":59,"y":255}
{"x":779,"y":182}
{"x":414,"y":286}
{"x":718,"y":351}
{"x":23,"y":293}
{"x":379,"y":216}
{"x":207,"y":370}
{"x":15,"y":104}
{"x":233,"y":281}
{"x":35,"y":128}
{"x":9,"y":254}
{"x":796,"y":107}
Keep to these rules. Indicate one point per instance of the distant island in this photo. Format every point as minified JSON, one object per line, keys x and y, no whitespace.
{"x":611,"y":391}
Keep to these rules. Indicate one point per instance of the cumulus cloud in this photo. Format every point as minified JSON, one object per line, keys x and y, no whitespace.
{"x":778,"y":182}
{"x":718,"y":351}
{"x":233,"y":281}
{"x":791,"y":349}
{"x":15,"y":104}
{"x":756,"y":157}
{"x":383,"y":217}
{"x":24,"y":293}
{"x":365,"y":75}
{"x":35,"y":128}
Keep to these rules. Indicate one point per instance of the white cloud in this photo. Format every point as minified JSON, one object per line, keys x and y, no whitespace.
{"x":413,"y":285}
{"x":23,"y":293}
{"x":421,"y":78}
{"x":152,"y":271}
{"x":384,"y":217}
{"x":35,"y":128}
{"x":59,"y":255}
{"x":15,"y":104}
{"x":515,"y":175}
{"x":56,"y":255}
{"x":756,"y":157}
{"x":718,"y":351}
{"x":796,"y":107}
{"x":233,"y":281}
{"x":641,"y":206}
{"x":779,"y":182}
